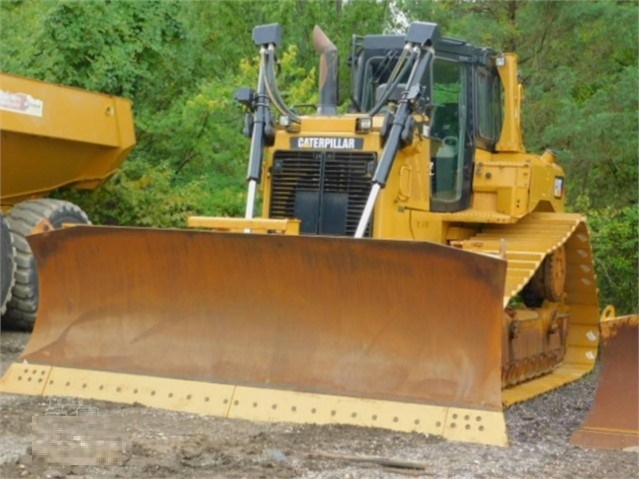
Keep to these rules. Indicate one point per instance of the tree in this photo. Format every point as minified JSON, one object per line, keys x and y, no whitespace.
{"x":615,"y":238}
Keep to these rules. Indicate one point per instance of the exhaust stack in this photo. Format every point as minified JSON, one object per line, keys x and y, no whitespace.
{"x":329,"y":63}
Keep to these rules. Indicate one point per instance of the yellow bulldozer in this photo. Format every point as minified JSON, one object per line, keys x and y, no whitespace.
{"x":413,"y":267}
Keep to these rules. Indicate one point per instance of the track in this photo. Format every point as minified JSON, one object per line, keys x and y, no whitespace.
{"x":525,"y":245}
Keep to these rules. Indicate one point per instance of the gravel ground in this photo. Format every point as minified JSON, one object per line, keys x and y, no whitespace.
{"x":117,"y":441}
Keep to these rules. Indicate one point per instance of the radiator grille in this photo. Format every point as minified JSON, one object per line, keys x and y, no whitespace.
{"x":329,"y":187}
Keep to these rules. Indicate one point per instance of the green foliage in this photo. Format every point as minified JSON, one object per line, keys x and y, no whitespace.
{"x":120,"y":48}
{"x":592,"y":137}
{"x":582,"y":97}
{"x":138,"y":195}
{"x":203,"y":133}
{"x":615,"y":238}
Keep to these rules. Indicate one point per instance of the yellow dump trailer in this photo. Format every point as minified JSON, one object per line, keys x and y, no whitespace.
{"x":52,"y":137}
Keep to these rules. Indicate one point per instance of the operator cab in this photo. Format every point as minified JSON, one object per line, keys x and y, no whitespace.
{"x":461,"y":96}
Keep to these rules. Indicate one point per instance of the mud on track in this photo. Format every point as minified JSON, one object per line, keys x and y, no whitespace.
{"x":116,"y":441}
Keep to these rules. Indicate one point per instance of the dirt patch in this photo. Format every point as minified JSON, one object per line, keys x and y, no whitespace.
{"x":61,"y":437}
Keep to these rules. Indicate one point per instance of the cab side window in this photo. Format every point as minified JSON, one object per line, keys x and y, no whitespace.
{"x":489,"y":106}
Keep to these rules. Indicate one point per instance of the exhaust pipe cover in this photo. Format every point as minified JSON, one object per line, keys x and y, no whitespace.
{"x":328,"y":71}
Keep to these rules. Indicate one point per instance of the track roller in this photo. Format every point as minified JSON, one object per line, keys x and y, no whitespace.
{"x":549,"y":280}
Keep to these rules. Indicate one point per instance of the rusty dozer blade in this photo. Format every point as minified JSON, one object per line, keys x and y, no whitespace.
{"x":613,"y":421}
{"x":396,"y":334}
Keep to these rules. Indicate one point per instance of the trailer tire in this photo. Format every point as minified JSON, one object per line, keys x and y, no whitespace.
{"x":7,"y":263}
{"x":28,"y":217}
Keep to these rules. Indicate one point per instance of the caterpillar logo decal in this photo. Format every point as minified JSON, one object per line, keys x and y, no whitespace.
{"x":326,"y":143}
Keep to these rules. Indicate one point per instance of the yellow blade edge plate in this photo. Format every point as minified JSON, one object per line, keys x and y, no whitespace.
{"x":257,"y":404}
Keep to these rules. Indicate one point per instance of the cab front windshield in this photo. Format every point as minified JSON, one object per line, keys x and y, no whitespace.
{"x":447,"y":127}
{"x":377,"y":76}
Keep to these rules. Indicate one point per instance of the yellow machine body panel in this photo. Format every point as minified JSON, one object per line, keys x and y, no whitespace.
{"x":507,"y":186}
{"x":54,"y":136}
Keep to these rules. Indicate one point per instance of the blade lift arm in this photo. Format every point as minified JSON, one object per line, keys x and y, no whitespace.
{"x":261,"y":125}
{"x":420,"y":40}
